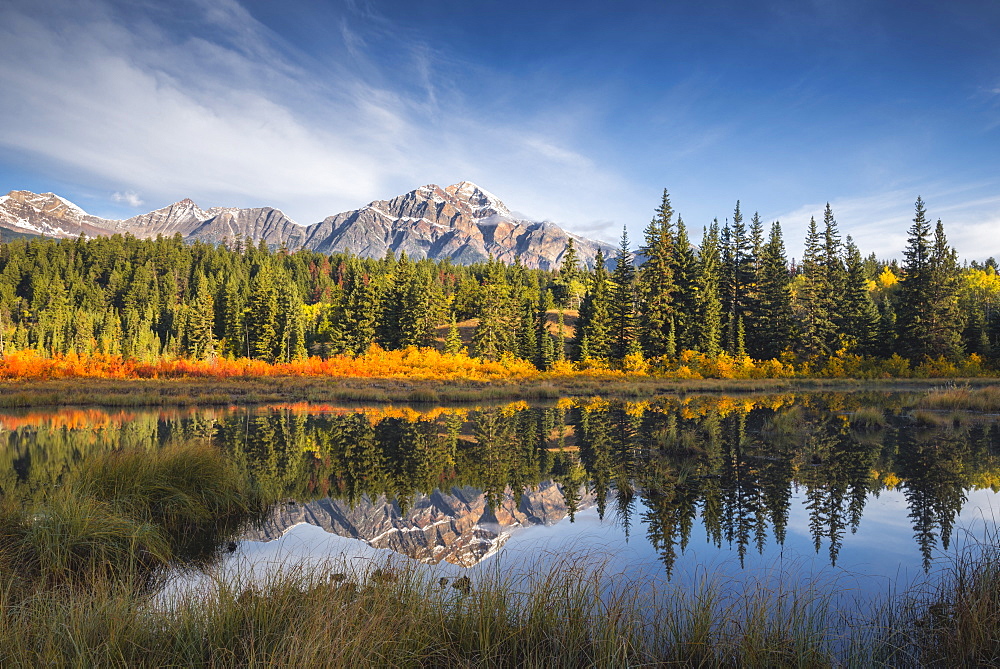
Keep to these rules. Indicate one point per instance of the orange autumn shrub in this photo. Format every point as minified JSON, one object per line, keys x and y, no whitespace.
{"x":433,"y":364}
{"x":411,"y":363}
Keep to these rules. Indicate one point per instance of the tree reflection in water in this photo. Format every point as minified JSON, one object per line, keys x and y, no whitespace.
{"x":723,"y":465}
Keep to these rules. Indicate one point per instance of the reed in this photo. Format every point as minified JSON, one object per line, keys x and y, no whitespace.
{"x":963,"y":398}
{"x":868,"y":418}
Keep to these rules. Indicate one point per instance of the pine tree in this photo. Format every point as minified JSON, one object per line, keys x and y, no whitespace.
{"x":927,"y":317}
{"x":860,"y":315}
{"x":593,"y":327}
{"x":774,"y":328}
{"x":546,"y":348}
{"x":567,"y":281}
{"x":814,"y":324}
{"x":655,"y":284}
{"x":686,"y":296}
{"x":709,"y":301}
{"x":200,"y":319}
{"x":622,"y":334}
{"x":262,"y":315}
{"x":453,"y":341}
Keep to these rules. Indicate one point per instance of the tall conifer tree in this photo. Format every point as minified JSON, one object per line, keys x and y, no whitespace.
{"x":686,"y":273}
{"x":860,"y":316}
{"x":623,"y":317}
{"x":594,"y":325}
{"x":709,"y":299}
{"x":815,"y":328}
{"x":774,"y":328}
{"x":656,"y":281}
{"x":927,"y":316}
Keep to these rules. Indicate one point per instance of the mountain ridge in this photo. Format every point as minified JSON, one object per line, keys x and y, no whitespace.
{"x":463,"y":222}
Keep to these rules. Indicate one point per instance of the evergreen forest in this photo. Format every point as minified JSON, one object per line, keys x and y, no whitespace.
{"x":735,"y":293}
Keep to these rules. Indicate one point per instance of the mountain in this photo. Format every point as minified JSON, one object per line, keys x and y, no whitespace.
{"x":462,"y":222}
{"x":47,"y":214}
{"x":456,"y":526}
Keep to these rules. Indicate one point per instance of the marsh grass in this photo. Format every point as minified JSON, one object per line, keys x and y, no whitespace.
{"x":569,"y":613}
{"x":868,"y":418}
{"x":72,"y":540}
{"x":563,"y":611}
{"x":926,"y":418}
{"x":962,"y":398}
{"x":258,"y":390}
{"x":953,"y":620}
{"x":80,"y":571}
{"x":125,"y":517}
{"x":194,"y":494}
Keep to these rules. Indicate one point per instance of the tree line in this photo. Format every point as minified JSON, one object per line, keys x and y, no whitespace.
{"x":736,"y":292}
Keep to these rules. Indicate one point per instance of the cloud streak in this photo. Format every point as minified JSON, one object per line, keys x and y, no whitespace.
{"x":224,"y":114}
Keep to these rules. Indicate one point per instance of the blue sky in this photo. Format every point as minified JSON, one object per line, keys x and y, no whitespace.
{"x":580,"y":113}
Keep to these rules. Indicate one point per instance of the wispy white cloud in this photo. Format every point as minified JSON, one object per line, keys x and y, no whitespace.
{"x":228,"y":114}
{"x":129,"y":197}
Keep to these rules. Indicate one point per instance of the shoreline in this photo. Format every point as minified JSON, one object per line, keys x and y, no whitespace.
{"x":263,"y":390}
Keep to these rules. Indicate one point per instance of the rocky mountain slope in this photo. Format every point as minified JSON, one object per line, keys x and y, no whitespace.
{"x":463,"y":222}
{"x":456,"y":526}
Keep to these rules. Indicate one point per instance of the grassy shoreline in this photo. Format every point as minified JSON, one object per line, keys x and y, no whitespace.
{"x":80,"y":566}
{"x":260,"y":390}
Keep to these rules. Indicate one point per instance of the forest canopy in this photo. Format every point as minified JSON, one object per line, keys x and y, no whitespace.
{"x":736,"y":293}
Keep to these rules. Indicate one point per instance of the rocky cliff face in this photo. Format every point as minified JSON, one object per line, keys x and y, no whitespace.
{"x":462,"y":222}
{"x":456,"y":526}
{"x":47,"y":214}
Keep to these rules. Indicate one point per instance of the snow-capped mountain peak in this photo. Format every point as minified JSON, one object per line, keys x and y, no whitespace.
{"x":484,"y":203}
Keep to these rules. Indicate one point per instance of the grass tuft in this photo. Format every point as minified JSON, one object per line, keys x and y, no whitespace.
{"x":868,"y":418}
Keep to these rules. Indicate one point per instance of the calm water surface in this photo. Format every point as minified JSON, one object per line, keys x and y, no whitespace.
{"x":859,"y":491}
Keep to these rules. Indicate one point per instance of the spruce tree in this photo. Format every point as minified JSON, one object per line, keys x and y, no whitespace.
{"x":709,"y":301}
{"x":815,"y":328}
{"x":750,"y":318}
{"x":737,"y":276}
{"x":567,"y":280}
{"x":234,"y":328}
{"x":262,"y":315}
{"x":860,"y":316}
{"x":774,"y":313}
{"x":498,"y":315}
{"x":289,"y":330}
{"x":546,"y":348}
{"x":453,"y":342}
{"x":623,"y":318}
{"x":836,"y":279}
{"x":593,"y":327}
{"x":201,"y":317}
{"x":655,"y":283}
{"x":686,"y":273}
{"x":927,"y":317}
{"x":360,"y":310}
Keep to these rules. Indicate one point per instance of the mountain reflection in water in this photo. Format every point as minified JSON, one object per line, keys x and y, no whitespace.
{"x":451,"y":484}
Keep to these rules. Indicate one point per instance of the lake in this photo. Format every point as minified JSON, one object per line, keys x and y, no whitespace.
{"x":859,"y":491}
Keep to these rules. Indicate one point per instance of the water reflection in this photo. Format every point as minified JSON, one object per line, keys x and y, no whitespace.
{"x":450,"y":484}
